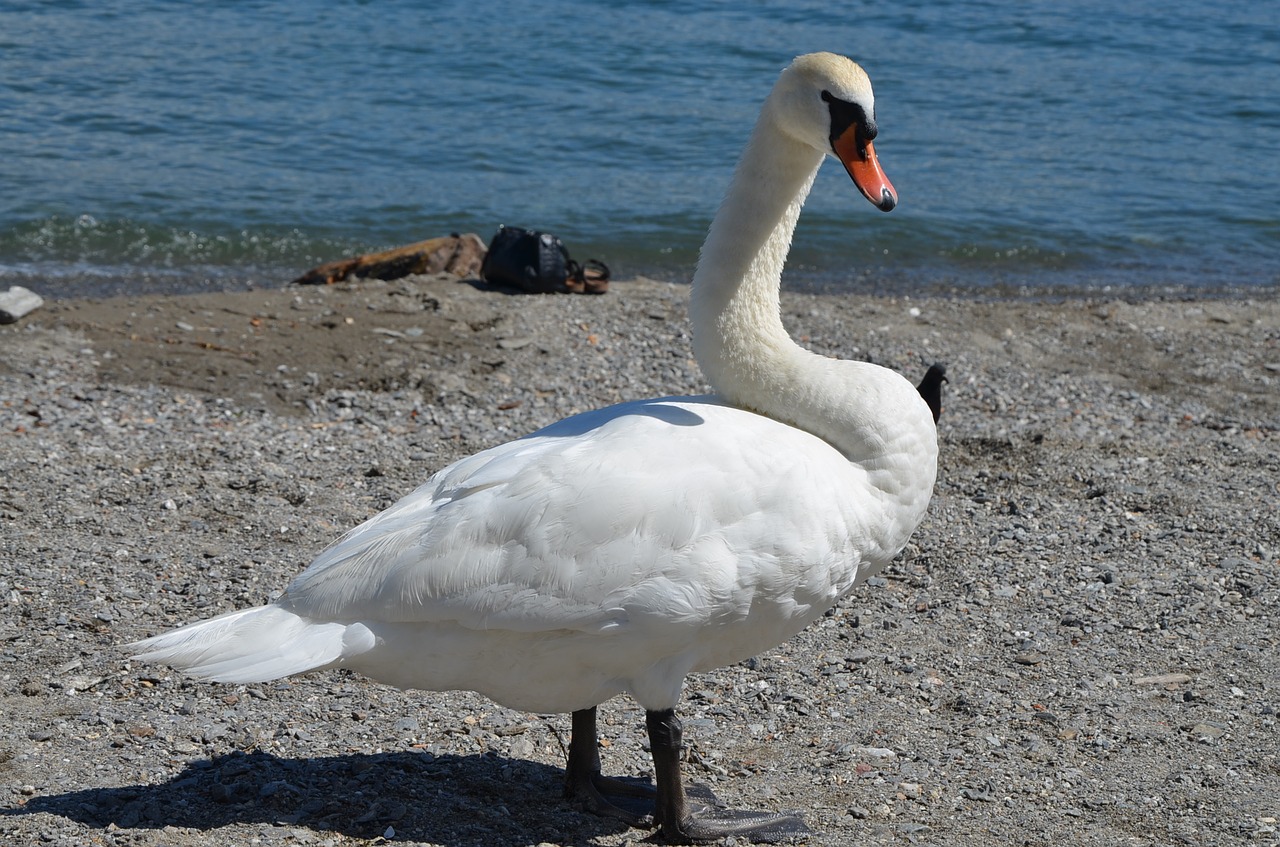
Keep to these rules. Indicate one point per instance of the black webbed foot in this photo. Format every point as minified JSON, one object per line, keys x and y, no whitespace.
{"x":629,"y":800}
{"x":693,"y":815}
{"x":756,"y":827}
{"x":682,"y":814}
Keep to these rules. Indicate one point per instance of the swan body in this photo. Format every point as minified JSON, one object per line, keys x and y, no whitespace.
{"x":620,"y":550}
{"x":474,"y":582}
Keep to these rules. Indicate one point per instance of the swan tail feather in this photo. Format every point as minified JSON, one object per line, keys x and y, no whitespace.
{"x":254,"y":645}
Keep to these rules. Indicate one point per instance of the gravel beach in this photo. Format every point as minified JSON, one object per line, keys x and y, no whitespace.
{"x":1079,"y":647}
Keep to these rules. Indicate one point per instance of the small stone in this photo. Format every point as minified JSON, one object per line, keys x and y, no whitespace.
{"x":16,"y":302}
{"x":1207,"y":732}
{"x":213,"y":733}
{"x":84,"y":683}
{"x":982,"y":794}
{"x":512,"y":729}
{"x":1163,"y":679}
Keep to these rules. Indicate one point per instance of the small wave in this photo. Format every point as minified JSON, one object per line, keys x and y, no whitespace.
{"x":85,"y":240}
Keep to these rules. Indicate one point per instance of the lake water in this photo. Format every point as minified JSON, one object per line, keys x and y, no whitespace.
{"x":154,"y":145}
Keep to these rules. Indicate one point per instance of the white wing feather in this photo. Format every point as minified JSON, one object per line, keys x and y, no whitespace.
{"x":575,"y":528}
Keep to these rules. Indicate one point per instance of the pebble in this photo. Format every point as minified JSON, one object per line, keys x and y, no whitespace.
{"x":1163,"y":679}
{"x":1207,"y":732}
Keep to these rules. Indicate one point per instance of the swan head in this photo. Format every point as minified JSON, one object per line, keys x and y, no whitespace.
{"x":825,"y":101}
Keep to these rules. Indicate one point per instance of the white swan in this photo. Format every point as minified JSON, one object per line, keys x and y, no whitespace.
{"x":622,"y":549}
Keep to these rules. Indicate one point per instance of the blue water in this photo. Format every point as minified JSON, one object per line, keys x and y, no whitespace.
{"x":156,"y":145}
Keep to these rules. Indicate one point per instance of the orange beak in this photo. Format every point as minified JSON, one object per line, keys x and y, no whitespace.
{"x":861,"y":163}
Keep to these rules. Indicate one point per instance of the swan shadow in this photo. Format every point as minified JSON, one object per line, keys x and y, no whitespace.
{"x":469,"y":801}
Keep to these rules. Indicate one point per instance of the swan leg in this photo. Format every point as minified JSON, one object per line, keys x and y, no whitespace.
{"x":630,"y":801}
{"x":681,"y":821}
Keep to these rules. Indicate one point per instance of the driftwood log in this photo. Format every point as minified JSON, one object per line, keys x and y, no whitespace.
{"x":460,"y":255}
{"x":16,"y":302}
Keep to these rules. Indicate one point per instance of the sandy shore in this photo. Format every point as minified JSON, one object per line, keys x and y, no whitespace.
{"x":1080,"y":646}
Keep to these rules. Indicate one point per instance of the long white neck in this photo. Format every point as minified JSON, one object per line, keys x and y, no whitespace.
{"x":738,"y":337}
{"x":870,"y":414}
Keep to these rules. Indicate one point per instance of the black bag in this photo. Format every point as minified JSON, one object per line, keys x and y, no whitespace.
{"x":539,"y":262}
